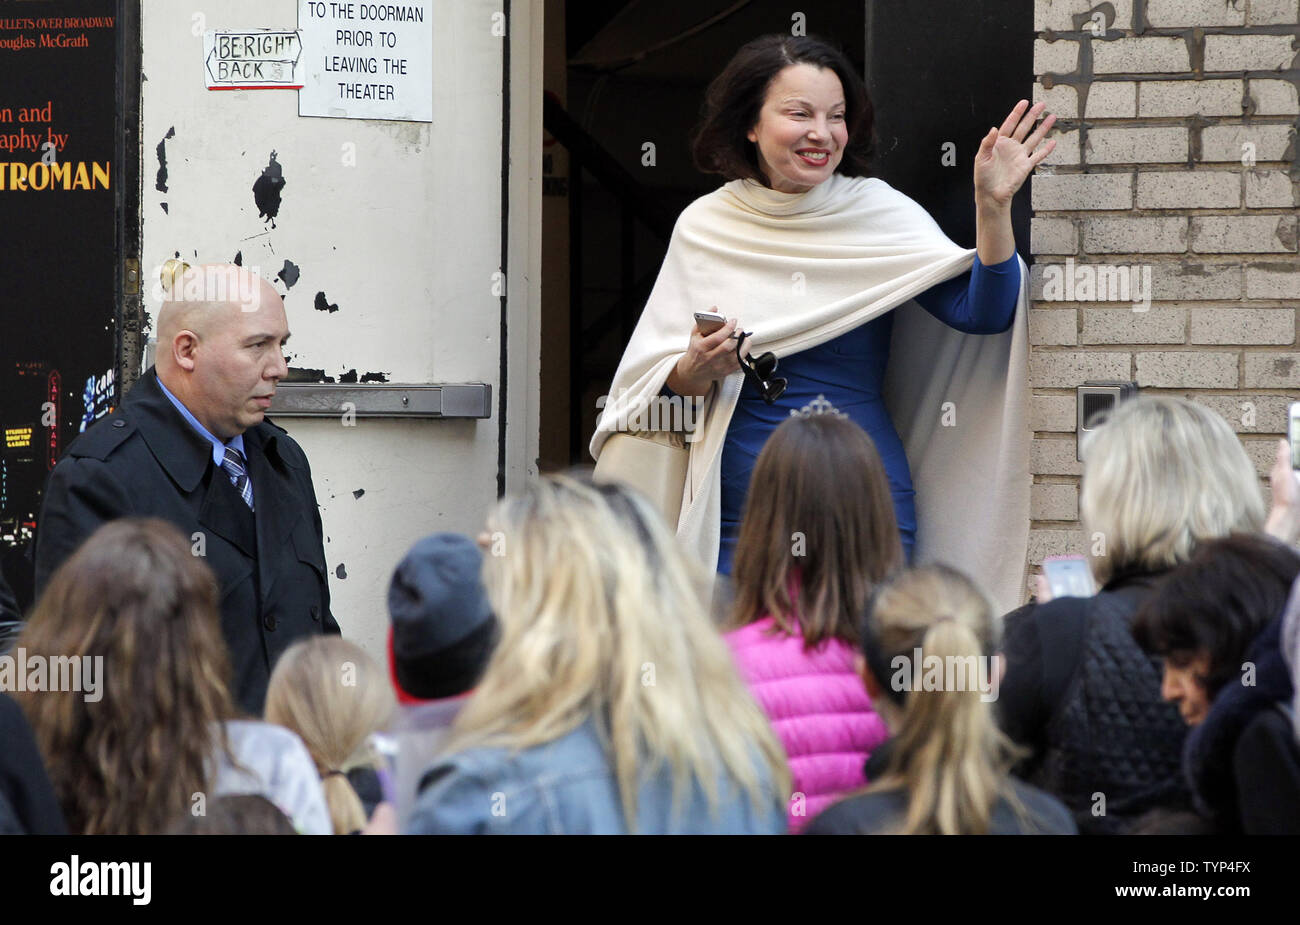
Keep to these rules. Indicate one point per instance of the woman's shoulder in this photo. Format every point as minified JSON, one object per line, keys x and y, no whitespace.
{"x":262,"y":743}
{"x":1046,"y":814}
{"x":273,"y":761}
{"x":868,"y":813}
{"x":578,"y":751}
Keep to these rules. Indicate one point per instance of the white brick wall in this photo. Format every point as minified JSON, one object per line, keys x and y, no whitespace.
{"x":1170,"y":369}
{"x":1162,"y":323}
{"x":1243,"y":326}
{"x":1244,"y":234}
{"x":1112,"y":99}
{"x":1189,"y":189}
{"x":1185,"y":178}
{"x":1270,"y":189}
{"x":1067,"y":369}
{"x":1272,"y":370}
{"x":1054,"y":501}
{"x":1163,"y":14}
{"x":1273,"y":12}
{"x":1191,"y":97}
{"x":1157,"y":234}
{"x":1053,"y":236}
{"x":1053,"y":326}
{"x":1274,"y":97}
{"x":1229,"y":142}
{"x":1082,"y":191}
{"x":1273,"y":281}
{"x":1058,"y":15}
{"x":1248,"y":52}
{"x":1149,"y":55}
{"x":1250,"y":413}
{"x":1059,"y":57}
{"x":1147,"y":145}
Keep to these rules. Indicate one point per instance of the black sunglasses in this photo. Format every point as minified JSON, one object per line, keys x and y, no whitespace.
{"x":760,"y":369}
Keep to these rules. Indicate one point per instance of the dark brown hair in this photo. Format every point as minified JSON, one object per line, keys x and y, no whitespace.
{"x":819,"y":505}
{"x":235,"y":814}
{"x":735,"y":98}
{"x":1217,"y":602}
{"x":130,"y":762}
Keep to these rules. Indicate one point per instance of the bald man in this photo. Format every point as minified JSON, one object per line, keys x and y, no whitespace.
{"x":191,"y":444}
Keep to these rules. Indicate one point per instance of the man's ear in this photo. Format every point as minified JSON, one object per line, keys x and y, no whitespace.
{"x":184,"y":346}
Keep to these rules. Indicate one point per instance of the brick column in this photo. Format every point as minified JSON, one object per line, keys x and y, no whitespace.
{"x":1176,"y":158}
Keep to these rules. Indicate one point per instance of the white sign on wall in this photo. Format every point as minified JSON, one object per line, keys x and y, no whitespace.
{"x":254,"y":59}
{"x":365,"y":60}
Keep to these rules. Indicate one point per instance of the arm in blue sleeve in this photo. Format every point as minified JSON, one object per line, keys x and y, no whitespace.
{"x":982,"y":301}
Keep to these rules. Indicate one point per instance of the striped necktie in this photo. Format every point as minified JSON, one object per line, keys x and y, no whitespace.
{"x":233,"y":463}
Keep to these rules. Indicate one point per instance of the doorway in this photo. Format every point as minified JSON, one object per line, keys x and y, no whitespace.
{"x":624,"y":82}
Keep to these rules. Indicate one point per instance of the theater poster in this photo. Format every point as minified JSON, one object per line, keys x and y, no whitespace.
{"x":58,"y":246}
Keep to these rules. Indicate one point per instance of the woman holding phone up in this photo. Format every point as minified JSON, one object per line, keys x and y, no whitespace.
{"x":807,"y":257}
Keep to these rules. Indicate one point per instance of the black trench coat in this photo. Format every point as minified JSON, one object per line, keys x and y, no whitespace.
{"x":146,"y":460}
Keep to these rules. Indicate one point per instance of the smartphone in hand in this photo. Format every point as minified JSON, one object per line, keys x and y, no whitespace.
{"x":1293,"y":433}
{"x":709,"y":322}
{"x":1068,"y":576}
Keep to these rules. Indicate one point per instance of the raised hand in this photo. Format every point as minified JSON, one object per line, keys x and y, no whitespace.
{"x":1007,"y":155}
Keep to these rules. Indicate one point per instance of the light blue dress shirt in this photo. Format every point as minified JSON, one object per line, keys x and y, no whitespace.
{"x":218,"y":448}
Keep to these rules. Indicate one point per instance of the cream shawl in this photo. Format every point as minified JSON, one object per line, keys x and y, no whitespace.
{"x":801,"y":269}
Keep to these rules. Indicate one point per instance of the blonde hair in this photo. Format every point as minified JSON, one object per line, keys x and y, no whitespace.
{"x":948,"y":754}
{"x":602,"y":619}
{"x":333,"y":695}
{"x":1159,"y":476}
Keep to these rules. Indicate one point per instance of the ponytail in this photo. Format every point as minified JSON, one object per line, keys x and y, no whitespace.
{"x":347,"y":814}
{"x":935,"y":631}
{"x":333,"y":695}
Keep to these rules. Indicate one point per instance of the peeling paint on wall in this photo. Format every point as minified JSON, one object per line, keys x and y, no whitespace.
{"x":341,"y":572}
{"x":324,"y":305}
{"x":161,"y":183}
{"x":305,"y":374}
{"x":239,"y":258}
{"x":288,"y":274}
{"x":375,"y":377}
{"x":267,"y":190}
{"x":358,"y":493}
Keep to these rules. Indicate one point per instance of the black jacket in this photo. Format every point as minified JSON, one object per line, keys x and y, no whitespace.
{"x":146,"y":460}
{"x":10,"y":617}
{"x":28,"y":805}
{"x":1085,"y":700}
{"x":1243,"y":761}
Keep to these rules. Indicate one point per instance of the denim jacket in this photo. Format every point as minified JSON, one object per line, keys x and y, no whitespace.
{"x":568,"y":787}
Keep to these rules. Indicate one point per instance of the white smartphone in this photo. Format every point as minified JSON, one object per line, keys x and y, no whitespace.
{"x":1068,"y":576}
{"x":709,"y":322}
{"x":1293,"y":433}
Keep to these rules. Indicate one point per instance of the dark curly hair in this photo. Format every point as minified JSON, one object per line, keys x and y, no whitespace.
{"x":1217,"y":602}
{"x":735,"y":98}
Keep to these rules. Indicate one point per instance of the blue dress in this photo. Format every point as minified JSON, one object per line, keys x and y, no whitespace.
{"x":850,"y":371}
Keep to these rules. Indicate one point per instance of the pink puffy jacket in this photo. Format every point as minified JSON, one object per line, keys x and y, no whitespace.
{"x":818,"y":708}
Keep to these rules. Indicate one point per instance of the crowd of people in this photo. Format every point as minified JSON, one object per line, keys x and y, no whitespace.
{"x":575,"y":679}
{"x":797,"y":638}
